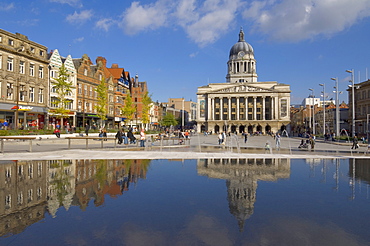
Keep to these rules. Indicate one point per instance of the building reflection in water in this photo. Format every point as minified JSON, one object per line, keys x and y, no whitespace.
{"x":241,"y":177}
{"x":29,"y":189}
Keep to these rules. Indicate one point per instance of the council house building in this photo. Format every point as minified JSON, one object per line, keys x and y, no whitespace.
{"x":243,"y":104}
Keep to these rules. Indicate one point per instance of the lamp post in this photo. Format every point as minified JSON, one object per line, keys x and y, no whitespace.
{"x":182,"y":118}
{"x":337,"y":119}
{"x":323,"y":106}
{"x":313,"y":112}
{"x":352,"y":72}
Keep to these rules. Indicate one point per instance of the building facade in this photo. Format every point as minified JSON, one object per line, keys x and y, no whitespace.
{"x":243,"y":104}
{"x":362,"y":108}
{"x":56,"y":61}
{"x":23,"y":81}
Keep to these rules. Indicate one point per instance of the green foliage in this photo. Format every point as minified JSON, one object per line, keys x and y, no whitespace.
{"x":169,"y":120}
{"x":129,"y":108}
{"x":101,"y":107}
{"x":147,"y":100}
{"x":63,"y":88}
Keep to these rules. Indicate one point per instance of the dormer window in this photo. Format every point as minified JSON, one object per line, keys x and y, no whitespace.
{"x":10,"y":42}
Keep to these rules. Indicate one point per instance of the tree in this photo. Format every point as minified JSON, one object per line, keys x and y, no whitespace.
{"x":129,"y":108}
{"x":169,"y":120}
{"x":101,"y":106}
{"x":63,"y":88}
{"x":147,"y":101}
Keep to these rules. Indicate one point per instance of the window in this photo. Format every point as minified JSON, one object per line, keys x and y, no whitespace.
{"x":85,"y":90}
{"x":69,"y":105}
{"x":41,"y":53}
{"x":1,"y":39}
{"x":32,"y":94}
{"x":22,"y":92}
{"x":53,"y":74}
{"x":41,"y":95}
{"x":91,"y":92}
{"x":21,"y":67}
{"x":30,"y":195}
{"x":54,"y":102}
{"x":100,"y":77}
{"x":10,"y":42}
{"x":32,"y":70}
{"x":9,"y":91}
{"x":41,"y":72}
{"x":30,"y":171}
{"x":9,"y":65}
{"x":8,"y":201}
{"x":39,"y":169}
{"x":85,"y":71}
{"x":79,"y":89}
{"x":32,"y":50}
{"x":20,"y":198}
{"x":1,"y":61}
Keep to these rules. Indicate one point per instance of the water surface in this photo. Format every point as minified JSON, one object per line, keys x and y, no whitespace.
{"x":185,"y":202}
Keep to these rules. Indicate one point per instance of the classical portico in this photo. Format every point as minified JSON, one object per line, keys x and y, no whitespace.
{"x":242,"y":104}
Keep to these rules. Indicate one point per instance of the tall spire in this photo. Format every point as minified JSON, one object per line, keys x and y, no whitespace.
{"x":241,"y":35}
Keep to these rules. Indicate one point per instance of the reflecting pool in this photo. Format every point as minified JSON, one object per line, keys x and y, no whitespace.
{"x":185,"y":202}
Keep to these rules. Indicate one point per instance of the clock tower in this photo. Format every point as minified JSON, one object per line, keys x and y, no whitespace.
{"x":241,"y":67}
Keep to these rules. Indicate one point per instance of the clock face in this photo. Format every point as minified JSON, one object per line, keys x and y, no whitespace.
{"x":241,"y":53}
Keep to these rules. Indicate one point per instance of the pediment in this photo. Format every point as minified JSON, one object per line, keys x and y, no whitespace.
{"x":241,"y":88}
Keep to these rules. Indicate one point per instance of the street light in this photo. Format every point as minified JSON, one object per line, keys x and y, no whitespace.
{"x":313,"y":112}
{"x":323,"y":106}
{"x":352,"y":72}
{"x":337,"y":119}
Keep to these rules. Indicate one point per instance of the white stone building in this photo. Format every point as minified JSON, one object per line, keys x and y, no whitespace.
{"x":243,"y":103}
{"x":56,"y":62}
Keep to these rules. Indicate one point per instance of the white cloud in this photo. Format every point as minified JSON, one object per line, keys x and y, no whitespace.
{"x":6,"y":7}
{"x":74,"y":3}
{"x":206,"y":23}
{"x":296,"y":20}
{"x":78,"y":40}
{"x":104,"y":24}
{"x":80,"y":17}
{"x":139,"y":18}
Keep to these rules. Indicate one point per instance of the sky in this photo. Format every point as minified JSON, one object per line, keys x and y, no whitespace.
{"x":177,"y":46}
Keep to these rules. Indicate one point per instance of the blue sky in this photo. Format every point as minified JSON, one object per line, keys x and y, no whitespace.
{"x":179,"y":45}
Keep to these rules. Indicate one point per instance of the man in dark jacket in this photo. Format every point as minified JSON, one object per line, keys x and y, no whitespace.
{"x":131,"y":136}
{"x":87,"y":128}
{"x":119,"y":136}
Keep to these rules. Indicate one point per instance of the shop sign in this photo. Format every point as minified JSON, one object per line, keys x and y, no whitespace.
{"x":22,"y":108}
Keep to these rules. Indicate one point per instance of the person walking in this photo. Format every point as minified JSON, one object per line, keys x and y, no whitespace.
{"x":277,"y":141}
{"x":219,"y":138}
{"x":5,"y":124}
{"x":312,"y":142}
{"x":245,"y":134}
{"x":87,"y":128}
{"x":142,"y":138}
{"x":355,"y":143}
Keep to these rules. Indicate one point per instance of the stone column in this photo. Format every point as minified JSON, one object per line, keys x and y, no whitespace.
{"x":209,"y":108}
{"x":277,"y":116}
{"x":263,"y":107}
{"x":254,"y":108}
{"x":272,"y":109}
{"x":221,"y":108}
{"x":228,"y":108}
{"x":237,"y":107}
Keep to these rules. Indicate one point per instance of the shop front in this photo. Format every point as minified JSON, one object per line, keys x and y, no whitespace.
{"x":29,"y":117}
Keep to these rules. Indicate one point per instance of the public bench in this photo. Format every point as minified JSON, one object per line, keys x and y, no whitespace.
{"x":180,"y":140}
{"x":3,"y":138}
{"x":102,"y":140}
